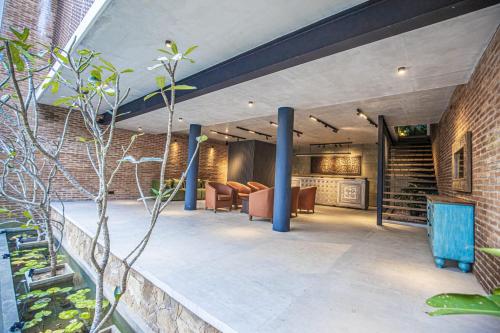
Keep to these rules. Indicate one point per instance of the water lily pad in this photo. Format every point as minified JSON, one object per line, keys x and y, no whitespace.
{"x":38,"y":306}
{"x":53,"y":290}
{"x":68,"y":314}
{"x":43,"y":313}
{"x":73,"y":327}
{"x":85,"y":315}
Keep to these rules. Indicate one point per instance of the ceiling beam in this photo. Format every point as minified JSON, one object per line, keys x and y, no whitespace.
{"x":363,"y":24}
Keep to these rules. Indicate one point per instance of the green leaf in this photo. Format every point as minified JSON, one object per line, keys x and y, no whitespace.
{"x":202,"y":138}
{"x":59,"y":55}
{"x":84,"y":52}
{"x":174,"y":48}
{"x":108,"y":64}
{"x":28,"y":215}
{"x":23,"y":36}
{"x":148,"y":96}
{"x":43,"y":313}
{"x":181,"y":87}
{"x":38,"y":306}
{"x":493,"y":251}
{"x":160,"y":81}
{"x":75,"y":326}
{"x":127,"y":70}
{"x":16,"y":58}
{"x":95,"y":76}
{"x":82,"y":139}
{"x":55,"y":87}
{"x":31,"y":323}
{"x":449,"y":304}
{"x":165,"y":51}
{"x":496,"y":291}
{"x":68,"y":314}
{"x":4,"y":210}
{"x":84,"y":315}
{"x":53,"y":290}
{"x":67,"y":100}
{"x":189,"y":50}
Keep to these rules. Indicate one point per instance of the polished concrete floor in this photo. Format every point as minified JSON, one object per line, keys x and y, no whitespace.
{"x":336,"y":271}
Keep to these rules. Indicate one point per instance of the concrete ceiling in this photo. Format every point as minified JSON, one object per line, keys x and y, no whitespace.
{"x":129,"y":32}
{"x":438,"y":57}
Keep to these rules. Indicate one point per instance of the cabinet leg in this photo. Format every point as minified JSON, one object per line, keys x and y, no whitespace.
{"x":439,"y":262}
{"x":464,"y":266}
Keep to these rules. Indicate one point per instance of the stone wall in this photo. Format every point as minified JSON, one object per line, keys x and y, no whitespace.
{"x":368,"y":153}
{"x":154,"y":310}
{"x":475,"y":107}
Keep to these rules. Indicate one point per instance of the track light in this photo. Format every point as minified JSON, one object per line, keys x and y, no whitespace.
{"x":402,"y":70}
{"x":168,"y":43}
{"x":254,"y":132}
{"x":250,"y":104}
{"x":273,"y":124}
{"x":324,"y":123}
{"x":180,"y":119}
{"x":139,"y":129}
{"x":364,"y":116}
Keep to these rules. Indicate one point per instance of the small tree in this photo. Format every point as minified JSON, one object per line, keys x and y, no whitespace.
{"x":26,"y":178}
{"x":94,"y":86}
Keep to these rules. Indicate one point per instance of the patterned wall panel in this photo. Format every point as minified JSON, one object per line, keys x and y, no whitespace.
{"x":336,"y":165}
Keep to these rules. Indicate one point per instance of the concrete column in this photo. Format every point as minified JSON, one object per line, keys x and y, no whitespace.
{"x":283,"y":174}
{"x":192,"y":175}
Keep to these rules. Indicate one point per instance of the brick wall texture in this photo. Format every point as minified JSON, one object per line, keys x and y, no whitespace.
{"x":475,"y":107}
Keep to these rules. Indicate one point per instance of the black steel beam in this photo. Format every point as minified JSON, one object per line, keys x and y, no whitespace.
{"x":366,"y":23}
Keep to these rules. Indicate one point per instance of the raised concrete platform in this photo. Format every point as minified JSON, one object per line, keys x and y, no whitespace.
{"x":336,"y":271}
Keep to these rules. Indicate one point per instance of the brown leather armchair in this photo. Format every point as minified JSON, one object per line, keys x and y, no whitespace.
{"x":295,"y":200}
{"x":239,"y":191}
{"x":307,"y":198}
{"x":217,"y":196}
{"x":256,"y":186}
{"x":260,"y":204}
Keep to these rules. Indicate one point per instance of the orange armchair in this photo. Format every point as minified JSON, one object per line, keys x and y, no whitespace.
{"x":239,"y":191}
{"x":295,"y":200}
{"x":217,"y":196}
{"x":307,"y":198}
{"x":256,"y":186}
{"x":260,"y":204}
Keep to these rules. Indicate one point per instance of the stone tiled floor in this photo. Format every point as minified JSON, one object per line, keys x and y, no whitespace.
{"x":336,"y":271}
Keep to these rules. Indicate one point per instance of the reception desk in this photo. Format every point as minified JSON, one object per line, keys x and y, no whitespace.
{"x":336,"y":191}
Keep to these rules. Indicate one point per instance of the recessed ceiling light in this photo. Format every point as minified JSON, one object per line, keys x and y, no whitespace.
{"x":168,"y":43}
{"x":139,"y":129}
{"x":402,"y":70}
{"x":250,"y":104}
{"x":227,"y":130}
{"x":181,"y":119}
{"x":226,"y":137}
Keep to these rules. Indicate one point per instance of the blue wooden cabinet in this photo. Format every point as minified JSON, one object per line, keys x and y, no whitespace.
{"x":450,"y":228}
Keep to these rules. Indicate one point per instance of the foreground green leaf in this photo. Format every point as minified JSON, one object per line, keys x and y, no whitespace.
{"x":450,"y":304}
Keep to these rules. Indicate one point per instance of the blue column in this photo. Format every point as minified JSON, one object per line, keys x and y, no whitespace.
{"x":192,"y":175}
{"x":283,"y":175}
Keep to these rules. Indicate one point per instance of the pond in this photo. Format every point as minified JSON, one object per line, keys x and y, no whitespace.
{"x":63,"y":308}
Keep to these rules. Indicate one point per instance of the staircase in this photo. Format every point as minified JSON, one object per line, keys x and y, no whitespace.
{"x":409,"y":178}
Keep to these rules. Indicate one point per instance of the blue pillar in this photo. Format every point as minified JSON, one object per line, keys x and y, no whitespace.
{"x":283,"y":175}
{"x":192,"y":175}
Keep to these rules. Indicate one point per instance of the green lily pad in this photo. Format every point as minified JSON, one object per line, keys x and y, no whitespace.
{"x":68,"y":314}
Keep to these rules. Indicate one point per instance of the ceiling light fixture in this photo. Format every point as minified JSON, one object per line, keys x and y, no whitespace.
{"x":402,"y":70}
{"x":168,"y":43}
{"x":227,"y":135}
{"x":139,"y":129}
{"x":324,"y":123}
{"x":181,"y":119}
{"x":364,"y":116}
{"x":254,"y":132}
{"x":250,"y":104}
{"x":299,"y":133}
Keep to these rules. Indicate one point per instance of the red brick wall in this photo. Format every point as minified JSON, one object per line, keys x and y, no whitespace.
{"x":213,"y":158}
{"x":475,"y":107}
{"x":69,"y":14}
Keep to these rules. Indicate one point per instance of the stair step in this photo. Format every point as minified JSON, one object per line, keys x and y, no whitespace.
{"x":417,"y":202}
{"x":405,"y":208}
{"x":418,"y":175}
{"x":411,"y":155}
{"x":411,"y":169}
{"x":393,"y":165}
{"x":413,"y":146}
{"x":393,"y":159}
{"x":407,"y":194}
{"x":416,"y":150}
{"x":405,"y":217}
{"x":419,"y":188}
